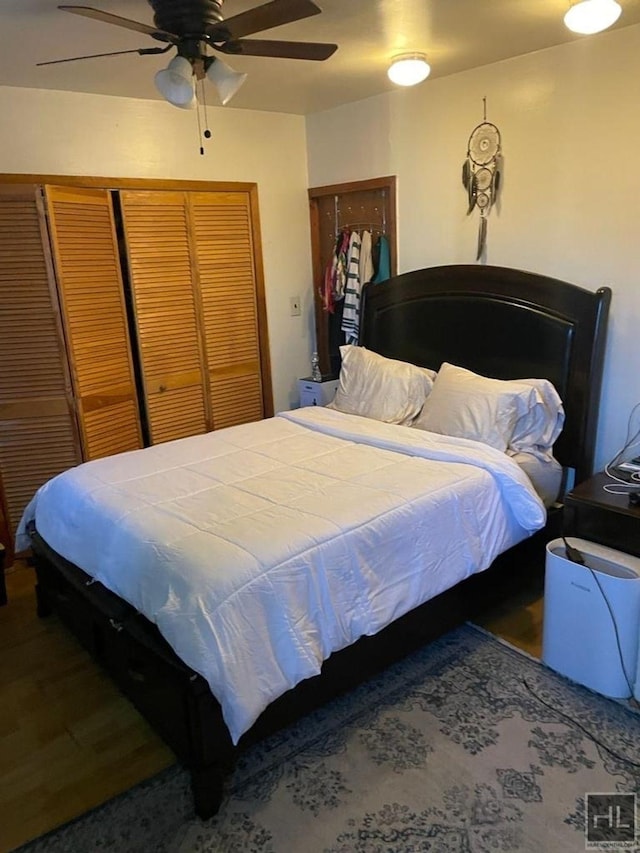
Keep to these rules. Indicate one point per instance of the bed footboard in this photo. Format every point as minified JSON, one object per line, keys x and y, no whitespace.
{"x":176,"y":701}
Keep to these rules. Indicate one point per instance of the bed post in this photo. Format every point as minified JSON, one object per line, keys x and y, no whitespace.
{"x":207,"y":787}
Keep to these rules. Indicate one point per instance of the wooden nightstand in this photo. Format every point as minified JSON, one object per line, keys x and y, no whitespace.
{"x":599,"y":516}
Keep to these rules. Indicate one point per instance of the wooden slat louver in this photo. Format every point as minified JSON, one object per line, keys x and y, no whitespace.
{"x":224,"y":254}
{"x":166,"y":312}
{"x":90,"y":285}
{"x":38,"y":431}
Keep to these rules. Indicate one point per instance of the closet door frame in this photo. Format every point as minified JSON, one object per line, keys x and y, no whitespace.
{"x":369,"y":204}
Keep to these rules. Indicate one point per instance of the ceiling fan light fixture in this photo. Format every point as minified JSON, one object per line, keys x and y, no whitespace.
{"x":190,"y":105}
{"x":176,"y":84}
{"x":225,"y":79}
{"x":409,"y":69}
{"x":592,"y":16}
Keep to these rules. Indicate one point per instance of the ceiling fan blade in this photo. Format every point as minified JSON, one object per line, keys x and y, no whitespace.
{"x":280,"y":49}
{"x":108,"y":18}
{"x":264,"y":17}
{"x":143,"y":51}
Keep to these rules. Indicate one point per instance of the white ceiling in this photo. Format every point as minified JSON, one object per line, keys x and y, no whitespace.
{"x":455,"y":34}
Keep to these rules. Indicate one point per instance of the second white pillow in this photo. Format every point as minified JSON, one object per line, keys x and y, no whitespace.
{"x":380,"y":388}
{"x":466,"y":405}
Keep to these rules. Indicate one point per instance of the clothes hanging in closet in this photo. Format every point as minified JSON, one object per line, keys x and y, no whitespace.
{"x":349,"y":268}
{"x":366,"y":258}
{"x":351,"y":311}
{"x":335,"y":273}
{"x":382,"y":260}
{"x":359,"y":272}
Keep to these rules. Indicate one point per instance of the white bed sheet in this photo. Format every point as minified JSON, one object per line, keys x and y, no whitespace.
{"x":260,"y":549}
{"x":545,"y":474}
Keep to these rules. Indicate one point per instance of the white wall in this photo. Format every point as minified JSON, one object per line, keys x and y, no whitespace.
{"x":61,"y":133}
{"x":570,"y":203}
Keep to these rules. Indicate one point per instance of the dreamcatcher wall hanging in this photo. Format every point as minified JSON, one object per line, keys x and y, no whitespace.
{"x":481,"y":173}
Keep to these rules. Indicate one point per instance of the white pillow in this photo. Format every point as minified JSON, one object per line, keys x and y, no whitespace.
{"x":380,"y":388}
{"x":466,"y":405}
{"x":538,"y":429}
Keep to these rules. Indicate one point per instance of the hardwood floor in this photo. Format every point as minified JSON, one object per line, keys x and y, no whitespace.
{"x":518,"y":619}
{"x":69,"y":741}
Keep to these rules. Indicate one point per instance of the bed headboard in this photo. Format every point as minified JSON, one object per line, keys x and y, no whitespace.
{"x":503,"y":323}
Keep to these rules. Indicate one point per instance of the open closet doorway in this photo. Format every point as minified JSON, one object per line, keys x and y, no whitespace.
{"x":337,"y":210}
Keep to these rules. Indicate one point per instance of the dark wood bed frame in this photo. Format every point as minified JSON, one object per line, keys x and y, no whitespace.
{"x":499,"y":322}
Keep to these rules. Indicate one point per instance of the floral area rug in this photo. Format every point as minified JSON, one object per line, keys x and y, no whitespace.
{"x":467,"y":746}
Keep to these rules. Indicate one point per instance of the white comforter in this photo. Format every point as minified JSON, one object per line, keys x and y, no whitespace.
{"x":261,"y":549}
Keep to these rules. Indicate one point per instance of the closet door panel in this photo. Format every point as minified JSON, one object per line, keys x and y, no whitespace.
{"x":166,"y":312}
{"x":224,"y":254}
{"x":90,"y":285}
{"x":38,"y":431}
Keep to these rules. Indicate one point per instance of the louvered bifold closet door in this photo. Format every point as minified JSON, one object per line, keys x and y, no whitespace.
{"x":166,"y":311}
{"x":224,"y":252}
{"x":90,"y":285}
{"x":38,"y":434}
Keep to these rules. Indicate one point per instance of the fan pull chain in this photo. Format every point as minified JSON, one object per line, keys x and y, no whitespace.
{"x":206,"y":134}
{"x":199,"y":128}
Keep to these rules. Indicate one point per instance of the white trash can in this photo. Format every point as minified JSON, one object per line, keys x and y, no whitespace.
{"x":578,"y":637}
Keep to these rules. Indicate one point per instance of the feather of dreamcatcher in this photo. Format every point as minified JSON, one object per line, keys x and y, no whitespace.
{"x":466,"y":174}
{"x":482,"y":236}
{"x":497,"y":178}
{"x":472,"y":193}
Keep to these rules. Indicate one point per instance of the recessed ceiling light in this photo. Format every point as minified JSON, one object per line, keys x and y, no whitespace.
{"x":409,"y":69}
{"x":592,"y":16}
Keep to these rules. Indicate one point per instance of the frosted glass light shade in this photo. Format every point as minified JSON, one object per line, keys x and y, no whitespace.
{"x":190,"y":105}
{"x":225,"y":79}
{"x":592,"y":16}
{"x":409,"y":69}
{"x":176,"y":84}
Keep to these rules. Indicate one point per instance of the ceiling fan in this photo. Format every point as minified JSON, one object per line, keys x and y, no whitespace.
{"x":193,"y":26}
